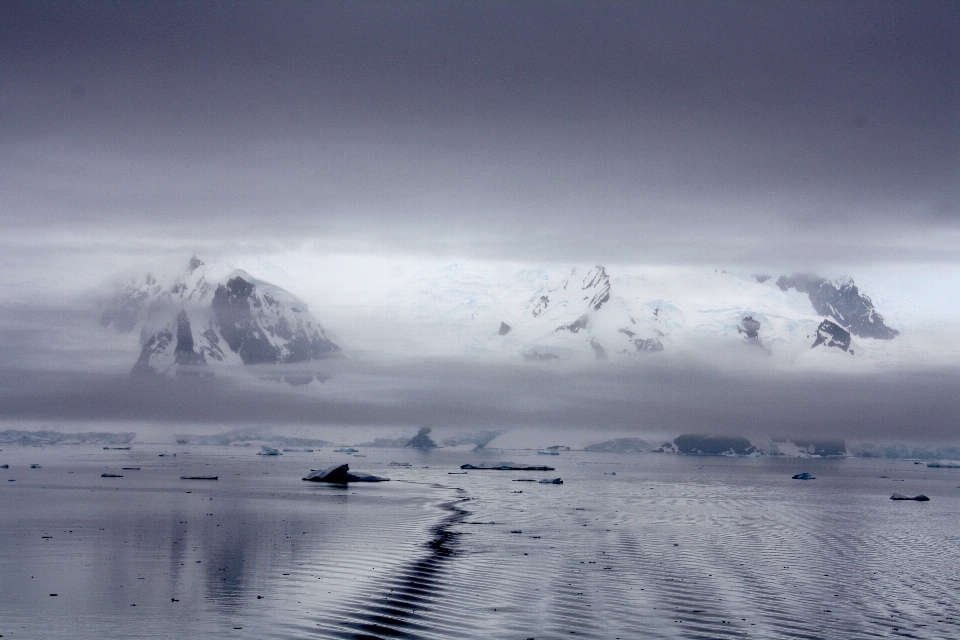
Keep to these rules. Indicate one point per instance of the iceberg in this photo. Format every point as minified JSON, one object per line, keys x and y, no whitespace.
{"x":919,"y":498}
{"x":340,"y":474}
{"x":505,"y":466}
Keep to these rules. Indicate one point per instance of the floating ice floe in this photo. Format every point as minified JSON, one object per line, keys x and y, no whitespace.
{"x":269,"y":451}
{"x":110,"y":475}
{"x":340,"y":474}
{"x":346,"y":450}
{"x":199,"y":477}
{"x":900,"y":496}
{"x":505,"y":466}
{"x":554,"y":481}
{"x":804,"y":476}
{"x":946,"y":464}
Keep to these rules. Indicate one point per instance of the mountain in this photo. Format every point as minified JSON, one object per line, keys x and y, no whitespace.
{"x":599,"y":313}
{"x":214,"y":315}
{"x":843,"y":302}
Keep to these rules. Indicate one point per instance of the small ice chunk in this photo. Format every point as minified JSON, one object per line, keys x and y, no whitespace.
{"x":919,"y":498}
{"x":110,"y":475}
{"x":269,"y":451}
{"x":804,"y":476}
{"x":554,"y":481}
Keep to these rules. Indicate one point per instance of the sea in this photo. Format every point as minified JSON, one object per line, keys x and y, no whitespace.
{"x":628,"y":546}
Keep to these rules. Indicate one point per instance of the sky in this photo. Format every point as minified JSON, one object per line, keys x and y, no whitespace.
{"x":790,"y":136}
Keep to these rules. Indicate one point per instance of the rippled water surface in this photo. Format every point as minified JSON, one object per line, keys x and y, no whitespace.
{"x":629,"y":546}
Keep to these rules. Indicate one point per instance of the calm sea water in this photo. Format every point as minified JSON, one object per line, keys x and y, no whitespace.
{"x":629,"y":546}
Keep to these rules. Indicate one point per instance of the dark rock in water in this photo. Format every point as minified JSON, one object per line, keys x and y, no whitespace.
{"x":804,"y":476}
{"x":34,"y":466}
{"x":919,"y":498}
{"x":4,"y":466}
{"x":505,"y":466}
{"x":199,"y":477}
{"x":110,"y":475}
{"x":269,"y":451}
{"x":832,"y":335}
{"x":554,"y":481}
{"x":504,"y":329}
{"x":699,"y":445}
{"x":843,"y":302}
{"x":340,"y":474}
{"x":422,"y":440}
{"x":620,"y":445}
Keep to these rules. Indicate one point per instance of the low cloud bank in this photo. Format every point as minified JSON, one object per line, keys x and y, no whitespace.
{"x":671,"y":397}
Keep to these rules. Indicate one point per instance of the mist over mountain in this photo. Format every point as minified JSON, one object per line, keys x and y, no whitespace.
{"x":213,"y":315}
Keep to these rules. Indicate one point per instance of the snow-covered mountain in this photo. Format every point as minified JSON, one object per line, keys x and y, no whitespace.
{"x":215,"y":315}
{"x":590,"y":311}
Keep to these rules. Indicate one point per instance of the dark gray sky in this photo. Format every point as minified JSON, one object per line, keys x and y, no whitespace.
{"x":666,"y":131}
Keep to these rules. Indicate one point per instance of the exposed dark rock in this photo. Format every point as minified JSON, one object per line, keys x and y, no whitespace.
{"x":598,"y":279}
{"x":804,"y":476}
{"x":919,"y":498}
{"x":537,"y":356}
{"x":576,"y":325}
{"x":761,"y":277}
{"x":554,"y":481}
{"x":843,"y":302}
{"x":598,"y":349}
{"x":832,"y":335}
{"x":750,"y":327}
{"x":234,"y":313}
{"x":422,"y":440}
{"x":199,"y":477}
{"x":184,"y":353}
{"x":648,"y":344}
{"x":504,"y":329}
{"x":157,"y":343}
{"x":540,"y":305}
{"x":620,"y":445}
{"x":340,"y":474}
{"x":693,"y":444}
{"x":627,"y":332}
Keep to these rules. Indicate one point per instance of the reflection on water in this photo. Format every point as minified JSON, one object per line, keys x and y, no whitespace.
{"x":629,"y":546}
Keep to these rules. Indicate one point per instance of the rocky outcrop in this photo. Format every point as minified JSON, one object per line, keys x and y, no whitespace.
{"x":843,"y":302}
{"x":832,"y":335}
{"x":700,"y":445}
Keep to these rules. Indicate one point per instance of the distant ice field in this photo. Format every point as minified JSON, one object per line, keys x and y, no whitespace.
{"x":629,"y":546}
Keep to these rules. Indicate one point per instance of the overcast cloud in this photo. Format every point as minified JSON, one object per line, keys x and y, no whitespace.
{"x":666,"y":131}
